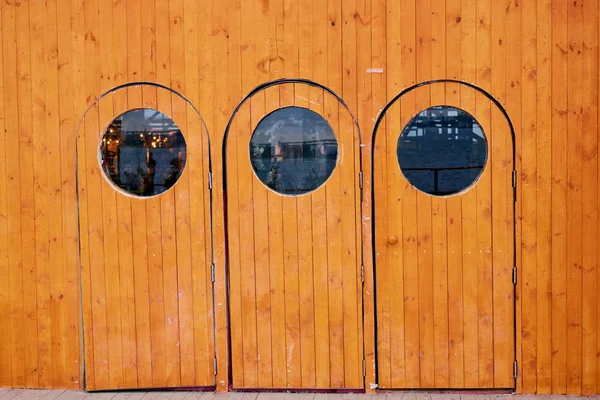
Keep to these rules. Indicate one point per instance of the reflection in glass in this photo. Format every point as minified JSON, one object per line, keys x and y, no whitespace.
{"x":293,"y":150}
{"x":143,"y":152}
{"x":442,"y":150}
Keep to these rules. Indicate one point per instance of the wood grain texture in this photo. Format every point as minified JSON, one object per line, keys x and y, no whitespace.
{"x":298,"y":268}
{"x":59,"y":222}
{"x":160,"y":248}
{"x":491,"y":311}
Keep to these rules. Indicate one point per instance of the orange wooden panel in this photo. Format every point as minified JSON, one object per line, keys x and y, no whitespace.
{"x":39,"y":160}
{"x":528,"y":182}
{"x":152,"y":240}
{"x":574,"y":195}
{"x":296,"y":258}
{"x":559,"y":198}
{"x":589,"y":326}
{"x":479,"y":240}
{"x":467,"y":245}
{"x":544,"y":199}
{"x":5,"y":345}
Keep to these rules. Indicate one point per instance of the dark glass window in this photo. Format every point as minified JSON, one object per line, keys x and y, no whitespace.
{"x":143,"y":152}
{"x":442,"y":150}
{"x":293,"y":150}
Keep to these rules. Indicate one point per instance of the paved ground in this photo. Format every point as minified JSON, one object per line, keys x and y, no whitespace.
{"x":23,"y":394}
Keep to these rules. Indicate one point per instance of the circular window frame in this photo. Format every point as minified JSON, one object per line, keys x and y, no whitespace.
{"x":475,"y":181}
{"x":319,"y":187}
{"x":120,"y":190}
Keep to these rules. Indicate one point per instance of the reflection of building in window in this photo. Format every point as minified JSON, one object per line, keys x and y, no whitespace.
{"x":442,"y":150}
{"x":139,"y":147}
{"x":293,"y":150}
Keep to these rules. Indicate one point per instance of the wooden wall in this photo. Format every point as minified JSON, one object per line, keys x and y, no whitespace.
{"x":538,"y":58}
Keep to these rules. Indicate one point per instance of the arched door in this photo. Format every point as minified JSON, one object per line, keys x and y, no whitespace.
{"x":145,"y":237}
{"x":444,"y":240}
{"x":292,"y":161}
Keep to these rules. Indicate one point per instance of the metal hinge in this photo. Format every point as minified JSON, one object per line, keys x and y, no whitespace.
{"x":515,"y":369}
{"x":212,"y":272}
{"x":360,"y":179}
{"x":364,"y":368}
{"x":514,"y":277}
{"x":514,"y":179}
{"x":362,"y":273}
{"x":215,"y":365}
{"x":210,"y":179}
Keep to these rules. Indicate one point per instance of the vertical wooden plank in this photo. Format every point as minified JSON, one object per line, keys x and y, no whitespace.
{"x":55,"y":214}
{"x":290,"y":210}
{"x":202,"y":321}
{"x":5,"y":266}
{"x":261,"y":226}
{"x":123,"y":209}
{"x":306,"y":270}
{"x":94,"y":190}
{"x":245,"y":187}
{"x":184,"y":193}
{"x":574,"y":195}
{"x":559,"y":198}
{"x":334,"y":217}
{"x":366,"y":296}
{"x":78,"y":42}
{"x":484,"y":199}
{"x":409,"y":205}
{"x":389,"y":262}
{"x":319,"y":211}
{"x":501,"y":312}
{"x":276,"y":260}
{"x":152,"y":217}
{"x":468,"y":208}
{"x":291,"y":267}
{"x":424,"y":209}
{"x":109,"y":206}
{"x":394,"y":330}
{"x":135,"y":69}
{"x":528,"y":187}
{"x":513,"y":104}
{"x":218,"y":93}
{"x":349,"y":175}
{"x":305,"y":250}
{"x":43,"y":369}
{"x":589,"y":324}
{"x":261,"y":258}
{"x":544,"y":199}
{"x":439,"y":231}
{"x":378,"y":43}
{"x":158,"y":319}
{"x":26,"y":186}
{"x":167,"y":208}
{"x":70,"y":330}
{"x":233,"y":225}
{"x":247,"y":260}
{"x":453,"y":334}
{"x":233,"y":202}
{"x":383,"y":255}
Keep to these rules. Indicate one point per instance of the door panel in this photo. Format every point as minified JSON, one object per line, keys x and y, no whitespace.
{"x":294,"y":261}
{"x":445,"y":298}
{"x":146,"y":285}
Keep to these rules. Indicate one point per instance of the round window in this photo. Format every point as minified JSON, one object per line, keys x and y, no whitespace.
{"x":143,"y":152}
{"x":293,"y":151}
{"x":442,"y":150}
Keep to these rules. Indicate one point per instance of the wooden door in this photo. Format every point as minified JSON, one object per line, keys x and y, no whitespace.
{"x":295,"y":291}
{"x":444,"y":290}
{"x":145,"y":262}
